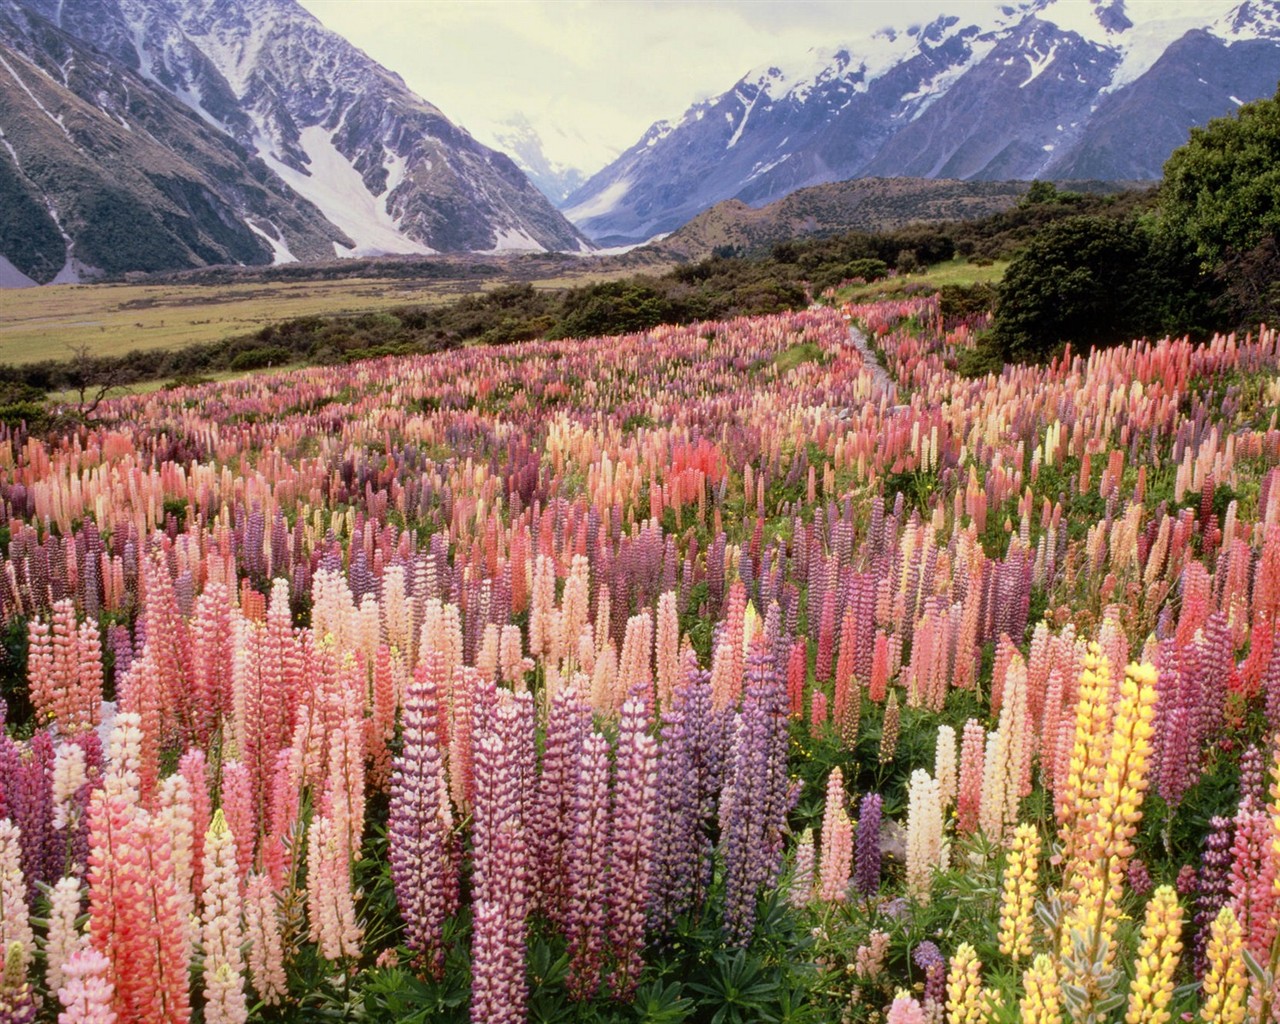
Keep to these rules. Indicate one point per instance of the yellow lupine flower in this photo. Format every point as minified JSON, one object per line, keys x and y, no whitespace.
{"x":1158,"y":956}
{"x":1041,"y":1002}
{"x":1020,"y":884}
{"x":1094,"y":877}
{"x":1226,"y":983}
{"x":1093,"y":724}
{"x":964,"y":987}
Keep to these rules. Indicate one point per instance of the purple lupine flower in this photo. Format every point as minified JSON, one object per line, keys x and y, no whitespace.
{"x":929,"y":959}
{"x":866,"y":853}
{"x":631,"y":843}
{"x":708,"y":736}
{"x":500,"y":869}
{"x":1213,"y":885}
{"x":550,"y":817}
{"x":585,"y":864}
{"x":755,"y":797}
{"x":419,"y":830}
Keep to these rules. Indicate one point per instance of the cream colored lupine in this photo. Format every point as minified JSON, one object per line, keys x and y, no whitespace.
{"x":944,"y":765}
{"x":14,"y":920}
{"x":69,"y":774}
{"x":15,"y":924}
{"x":124,"y":755}
{"x":667,"y":647}
{"x":1021,"y":878}
{"x":1041,"y":1001}
{"x":1158,"y":955}
{"x":222,"y":934}
{"x":64,"y":939}
{"x":1226,"y":982}
{"x":265,"y":942}
{"x":994,"y":775}
{"x":925,"y":849}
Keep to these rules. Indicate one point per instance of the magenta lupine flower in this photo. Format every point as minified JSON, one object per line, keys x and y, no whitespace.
{"x":420,"y":838}
{"x":586,"y":860}
{"x":755,"y":798}
{"x":1139,"y":877}
{"x":29,"y":803}
{"x":631,"y":843}
{"x":866,"y":852}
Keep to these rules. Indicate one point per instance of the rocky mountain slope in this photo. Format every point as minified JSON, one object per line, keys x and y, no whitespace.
{"x":1062,"y":89}
{"x":148,"y":134}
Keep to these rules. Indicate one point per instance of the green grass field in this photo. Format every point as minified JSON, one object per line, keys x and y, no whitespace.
{"x":957,"y":271}
{"x":112,"y":319}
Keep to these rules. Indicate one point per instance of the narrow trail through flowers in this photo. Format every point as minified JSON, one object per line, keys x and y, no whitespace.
{"x":879,"y":374}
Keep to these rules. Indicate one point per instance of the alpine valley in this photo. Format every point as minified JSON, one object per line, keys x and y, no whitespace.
{"x":159,"y":134}
{"x":1058,"y":89}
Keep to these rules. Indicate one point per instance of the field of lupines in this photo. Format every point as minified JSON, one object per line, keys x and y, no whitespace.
{"x":702,"y":675}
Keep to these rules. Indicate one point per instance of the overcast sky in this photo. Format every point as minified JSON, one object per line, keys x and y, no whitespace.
{"x":604,"y":70}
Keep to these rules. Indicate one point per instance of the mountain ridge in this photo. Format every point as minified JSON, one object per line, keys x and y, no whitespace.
{"x":288,"y":143}
{"x":1049,"y":88}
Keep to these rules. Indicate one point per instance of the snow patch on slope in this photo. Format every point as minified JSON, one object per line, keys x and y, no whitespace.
{"x":601,"y":203}
{"x":336,"y":187}
{"x":279,"y":248}
{"x":513,"y":239}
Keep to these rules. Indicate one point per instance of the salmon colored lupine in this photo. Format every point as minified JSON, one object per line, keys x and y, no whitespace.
{"x":836,"y":860}
{"x":969,"y":787}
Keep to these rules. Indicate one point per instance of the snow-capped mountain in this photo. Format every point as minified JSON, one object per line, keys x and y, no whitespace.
{"x":1064,"y":89}
{"x":552,"y":155}
{"x":285,"y":141}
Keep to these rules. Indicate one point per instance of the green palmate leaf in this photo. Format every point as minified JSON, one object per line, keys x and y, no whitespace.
{"x":656,"y":1003}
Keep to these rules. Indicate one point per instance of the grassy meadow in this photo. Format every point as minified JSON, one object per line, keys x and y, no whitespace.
{"x":112,"y":319}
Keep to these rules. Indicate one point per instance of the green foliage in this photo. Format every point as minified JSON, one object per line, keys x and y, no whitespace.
{"x":1222,"y":189}
{"x":1083,"y":281}
{"x":258,"y":358}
